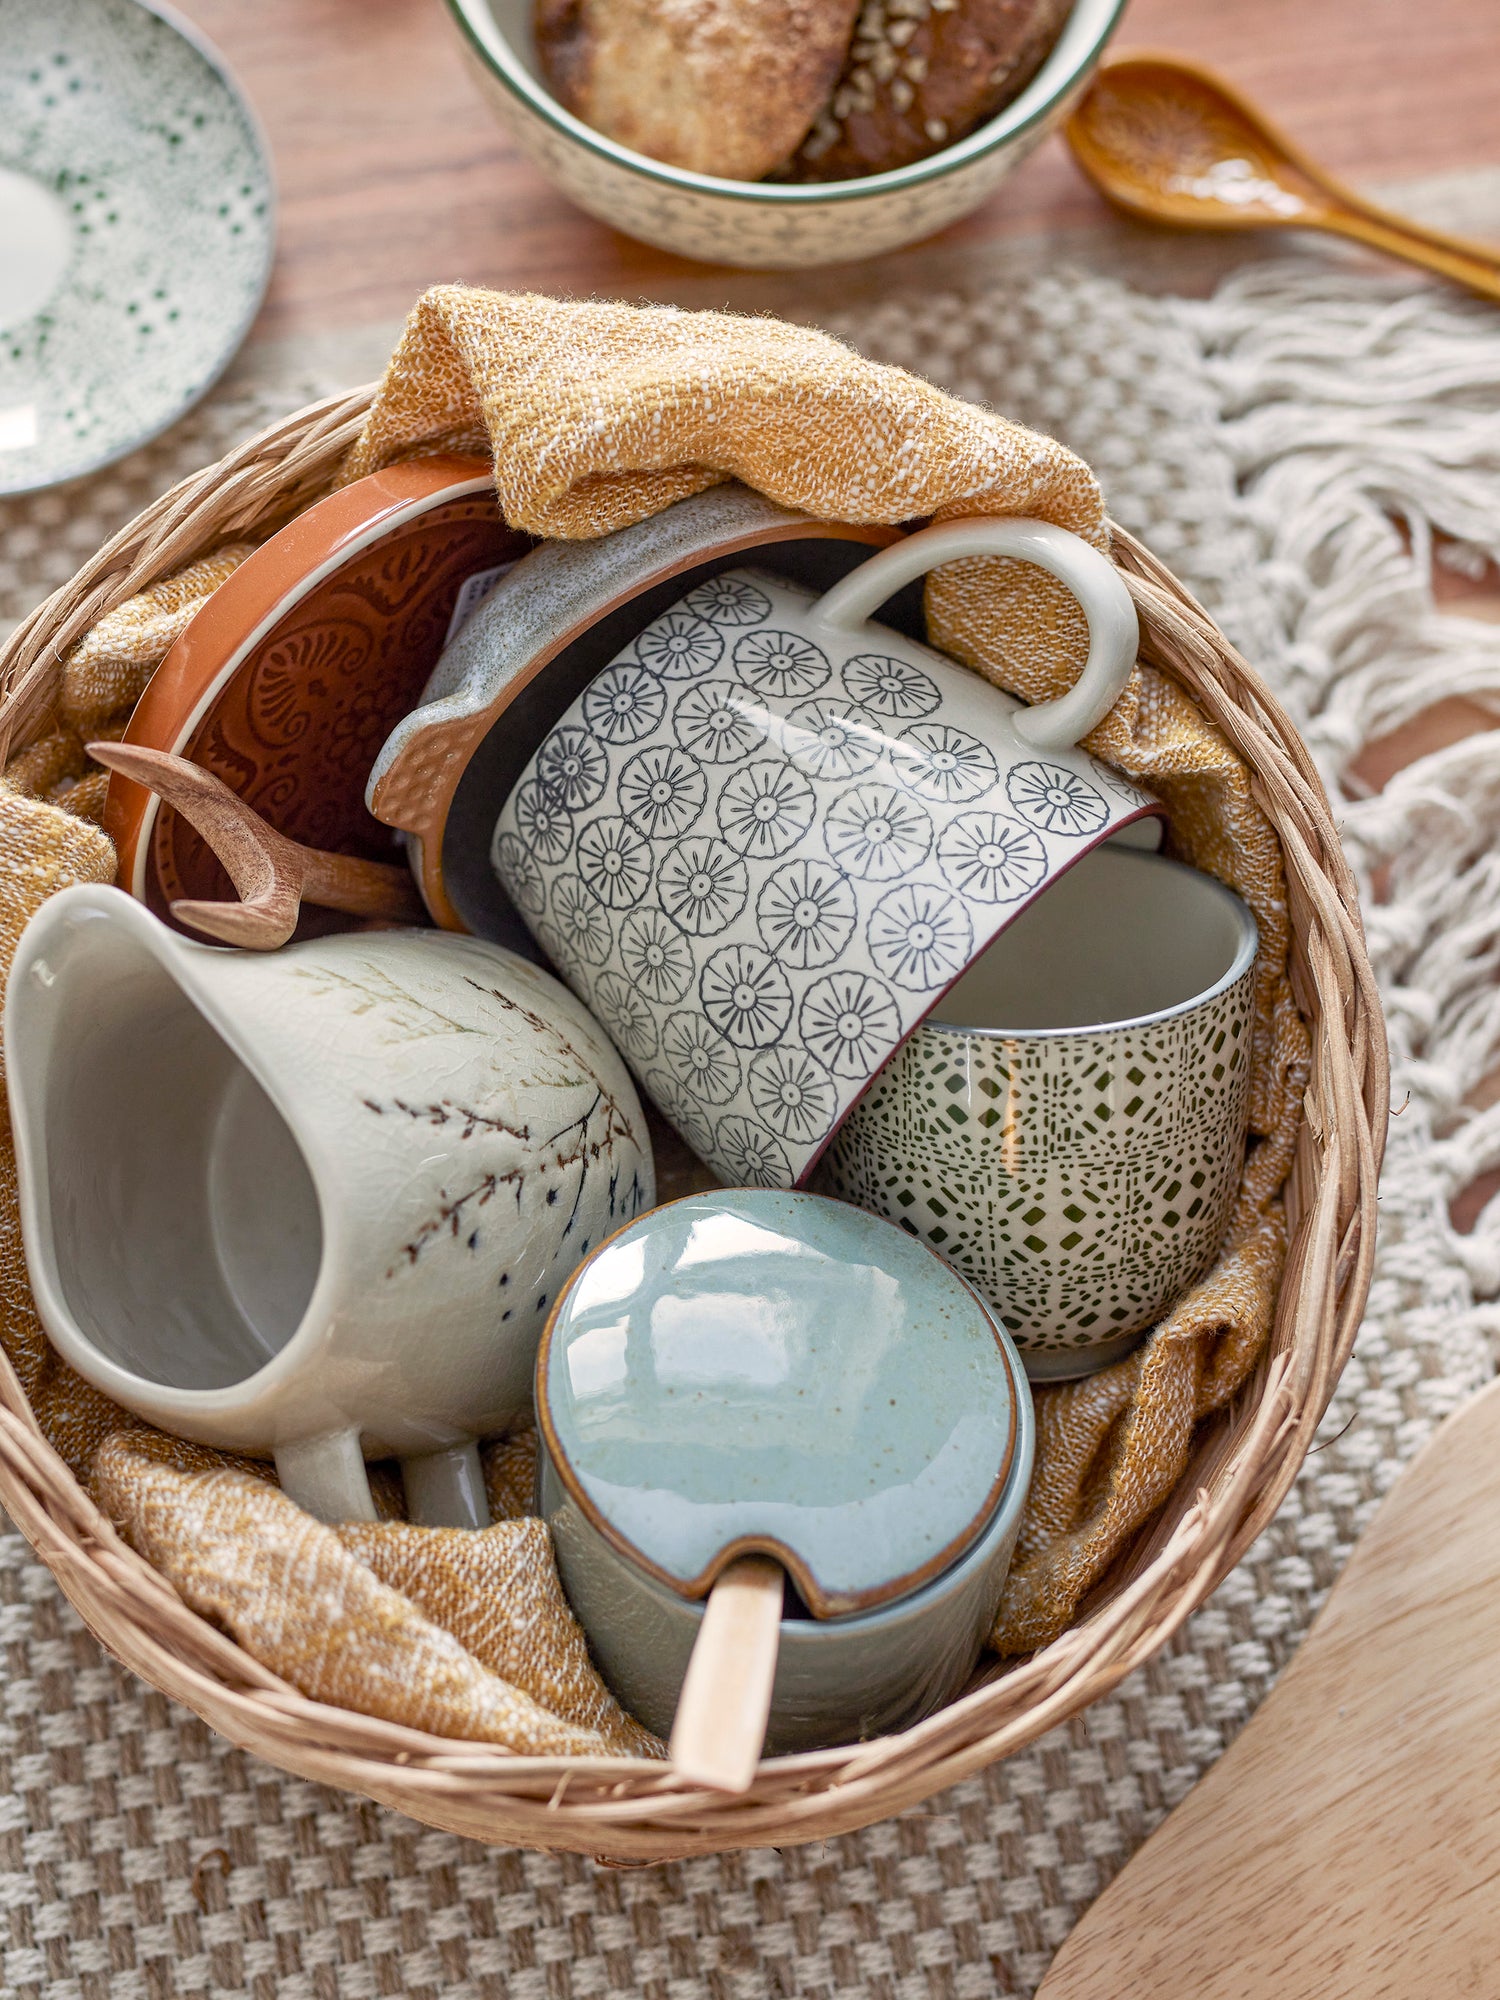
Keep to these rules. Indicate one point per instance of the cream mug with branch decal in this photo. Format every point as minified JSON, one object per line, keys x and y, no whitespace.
{"x":314,"y":1204}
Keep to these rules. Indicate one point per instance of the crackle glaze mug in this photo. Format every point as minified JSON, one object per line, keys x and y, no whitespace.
{"x":1068,"y":1127}
{"x":532,"y":646}
{"x":769,"y":835}
{"x":315,"y":1204}
{"x":752,"y":1374}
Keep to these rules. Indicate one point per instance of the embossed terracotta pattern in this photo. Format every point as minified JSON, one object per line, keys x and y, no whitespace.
{"x":293,"y":674}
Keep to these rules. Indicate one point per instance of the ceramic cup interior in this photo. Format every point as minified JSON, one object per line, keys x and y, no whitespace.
{"x":1068,"y":1125}
{"x":184,"y":1221}
{"x":1120,"y":938}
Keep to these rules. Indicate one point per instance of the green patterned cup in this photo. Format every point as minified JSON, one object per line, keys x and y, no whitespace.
{"x":1068,"y":1127}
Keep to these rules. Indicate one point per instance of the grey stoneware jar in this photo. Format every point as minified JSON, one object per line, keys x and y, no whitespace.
{"x":752,"y":1371}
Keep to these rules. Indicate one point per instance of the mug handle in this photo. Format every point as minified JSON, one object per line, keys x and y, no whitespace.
{"x":326,"y":1476}
{"x":1114,"y":631}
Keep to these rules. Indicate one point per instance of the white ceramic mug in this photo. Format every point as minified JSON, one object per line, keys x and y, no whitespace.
{"x":313,"y":1204}
{"x":1068,"y":1127}
{"x":769,"y":836}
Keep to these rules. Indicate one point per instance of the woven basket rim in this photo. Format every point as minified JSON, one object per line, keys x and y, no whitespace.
{"x":1243,"y":1463}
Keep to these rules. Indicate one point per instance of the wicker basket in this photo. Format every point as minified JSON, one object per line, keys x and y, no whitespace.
{"x":1243,"y":1463}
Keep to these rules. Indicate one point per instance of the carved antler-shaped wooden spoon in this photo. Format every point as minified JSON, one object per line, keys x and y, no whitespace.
{"x":273,"y":874}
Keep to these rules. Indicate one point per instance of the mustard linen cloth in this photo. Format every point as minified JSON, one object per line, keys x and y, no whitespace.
{"x":597,"y":415}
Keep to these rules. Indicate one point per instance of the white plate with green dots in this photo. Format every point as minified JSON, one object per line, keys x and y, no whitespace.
{"x":136,"y":230}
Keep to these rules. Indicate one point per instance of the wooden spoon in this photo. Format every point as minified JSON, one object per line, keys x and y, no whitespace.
{"x":1347,"y":1844}
{"x":720,"y":1723}
{"x":1171,"y":141}
{"x":273,"y":874}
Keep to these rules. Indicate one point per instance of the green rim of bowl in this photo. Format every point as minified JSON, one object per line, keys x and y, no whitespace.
{"x":477,"y":24}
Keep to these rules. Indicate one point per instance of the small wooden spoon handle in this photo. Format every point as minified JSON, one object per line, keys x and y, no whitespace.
{"x":726,"y":1696}
{"x":273,"y":873}
{"x":254,"y":856}
{"x":264,"y":925}
{"x":1470,"y":248}
{"x":1432,"y":250}
{"x":360,"y":888}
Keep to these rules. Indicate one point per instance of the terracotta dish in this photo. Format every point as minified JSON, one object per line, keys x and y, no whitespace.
{"x":291,"y":676}
{"x":536,"y":644}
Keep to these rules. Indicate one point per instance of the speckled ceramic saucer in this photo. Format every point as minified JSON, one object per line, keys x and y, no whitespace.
{"x":136,"y":230}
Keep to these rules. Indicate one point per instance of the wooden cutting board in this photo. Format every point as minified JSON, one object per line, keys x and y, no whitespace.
{"x":1347,"y":1845}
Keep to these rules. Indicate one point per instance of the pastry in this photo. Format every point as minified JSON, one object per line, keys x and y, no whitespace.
{"x":921,"y":74}
{"x":726,"y":87}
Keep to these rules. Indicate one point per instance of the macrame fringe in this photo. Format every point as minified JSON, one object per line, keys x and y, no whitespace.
{"x":1363,"y":422}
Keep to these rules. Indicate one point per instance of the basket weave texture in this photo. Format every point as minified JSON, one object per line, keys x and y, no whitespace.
{"x":1243,"y":1463}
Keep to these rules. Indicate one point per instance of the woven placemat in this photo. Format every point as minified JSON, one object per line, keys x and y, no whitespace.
{"x":1287,"y":447}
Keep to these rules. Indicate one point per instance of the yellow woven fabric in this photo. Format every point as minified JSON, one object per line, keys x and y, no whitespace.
{"x":103,"y":680}
{"x":363,"y":1617}
{"x":597,"y":415}
{"x":41,"y":851}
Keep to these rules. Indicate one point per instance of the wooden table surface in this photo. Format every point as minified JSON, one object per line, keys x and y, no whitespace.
{"x":394,"y":174}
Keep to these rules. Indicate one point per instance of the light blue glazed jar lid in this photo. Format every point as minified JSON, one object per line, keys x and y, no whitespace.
{"x":751,"y":1369}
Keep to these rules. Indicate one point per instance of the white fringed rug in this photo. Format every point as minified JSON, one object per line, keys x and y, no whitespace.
{"x":1291,"y":448}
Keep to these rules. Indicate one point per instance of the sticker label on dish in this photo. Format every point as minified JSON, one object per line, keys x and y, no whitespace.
{"x":472,"y":593}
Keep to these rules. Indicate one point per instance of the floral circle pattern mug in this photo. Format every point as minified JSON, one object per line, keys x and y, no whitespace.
{"x":769,"y":836}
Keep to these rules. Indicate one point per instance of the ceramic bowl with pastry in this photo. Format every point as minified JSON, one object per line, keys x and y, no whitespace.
{"x":876,"y":124}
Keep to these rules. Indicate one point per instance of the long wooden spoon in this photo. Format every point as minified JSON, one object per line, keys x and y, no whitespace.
{"x":273,"y":874}
{"x":1171,"y":141}
{"x":1347,"y":1844}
